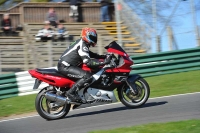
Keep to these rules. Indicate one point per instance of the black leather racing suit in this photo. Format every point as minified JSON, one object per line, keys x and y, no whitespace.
{"x":70,"y":61}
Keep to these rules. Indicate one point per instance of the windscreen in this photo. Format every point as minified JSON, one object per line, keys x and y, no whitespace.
{"x":113,"y":47}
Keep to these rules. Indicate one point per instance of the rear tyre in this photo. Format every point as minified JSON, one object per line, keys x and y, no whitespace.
{"x":129,"y":99}
{"x":44,"y":109}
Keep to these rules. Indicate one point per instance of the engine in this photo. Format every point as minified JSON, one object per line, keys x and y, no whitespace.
{"x":94,"y":95}
{"x":105,"y":79}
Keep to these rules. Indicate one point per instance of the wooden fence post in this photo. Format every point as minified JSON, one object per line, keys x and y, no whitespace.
{"x":158,"y":43}
{"x":100,"y":49}
{"x":21,"y":11}
{"x":198,"y":35}
{"x":26,"y":56}
{"x":50,"y":43}
{"x":170,"y":41}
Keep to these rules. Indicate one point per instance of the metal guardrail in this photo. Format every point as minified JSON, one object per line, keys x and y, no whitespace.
{"x":147,"y":65}
{"x":167,"y":62}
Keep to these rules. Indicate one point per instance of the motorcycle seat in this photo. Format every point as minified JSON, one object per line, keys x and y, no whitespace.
{"x":51,"y":71}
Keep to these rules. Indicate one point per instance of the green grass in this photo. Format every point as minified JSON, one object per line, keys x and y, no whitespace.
{"x":189,"y":126}
{"x":17,"y":105}
{"x":160,"y":86}
{"x":172,"y":84}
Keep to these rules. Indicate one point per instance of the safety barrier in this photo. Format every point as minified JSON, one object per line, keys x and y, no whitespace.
{"x":167,"y":62}
{"x":147,"y":65}
{"x":17,"y":84}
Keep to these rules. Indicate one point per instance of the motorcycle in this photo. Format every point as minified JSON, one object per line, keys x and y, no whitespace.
{"x":132,"y":90}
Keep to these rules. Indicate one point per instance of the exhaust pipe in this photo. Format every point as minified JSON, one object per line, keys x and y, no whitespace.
{"x":58,"y":99}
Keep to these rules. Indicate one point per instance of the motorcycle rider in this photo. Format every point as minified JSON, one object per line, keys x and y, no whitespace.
{"x":76,"y":54}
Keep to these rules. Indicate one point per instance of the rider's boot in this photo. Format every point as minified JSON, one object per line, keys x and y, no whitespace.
{"x":73,"y":92}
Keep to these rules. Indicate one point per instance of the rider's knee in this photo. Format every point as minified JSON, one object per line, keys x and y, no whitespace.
{"x":88,"y":77}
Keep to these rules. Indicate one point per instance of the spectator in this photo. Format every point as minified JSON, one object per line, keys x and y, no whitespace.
{"x":6,"y":24}
{"x":73,"y":8}
{"x":52,"y":17}
{"x":61,"y":29}
{"x":45,"y":34}
{"x":61,"y":33}
{"x":104,"y":10}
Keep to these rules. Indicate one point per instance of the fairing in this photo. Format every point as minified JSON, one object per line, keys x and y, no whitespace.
{"x":52,"y":80}
{"x":125,"y":67}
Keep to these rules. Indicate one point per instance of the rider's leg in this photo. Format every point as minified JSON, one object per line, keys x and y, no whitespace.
{"x":83,"y":79}
{"x":81,"y":83}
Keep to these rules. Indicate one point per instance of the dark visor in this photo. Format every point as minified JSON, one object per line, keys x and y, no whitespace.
{"x":93,"y":38}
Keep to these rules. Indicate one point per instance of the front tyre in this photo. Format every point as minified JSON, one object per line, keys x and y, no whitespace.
{"x":48,"y":109}
{"x":129,"y":99}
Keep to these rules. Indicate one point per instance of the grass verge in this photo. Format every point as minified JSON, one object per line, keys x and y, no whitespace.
{"x":189,"y":126}
{"x":17,"y":105}
{"x":171,"y":84}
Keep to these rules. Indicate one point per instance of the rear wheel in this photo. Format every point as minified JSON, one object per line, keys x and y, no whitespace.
{"x":129,"y":99}
{"x":48,"y":109}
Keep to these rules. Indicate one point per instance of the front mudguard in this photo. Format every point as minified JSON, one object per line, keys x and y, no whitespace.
{"x":130,"y":81}
{"x":133,"y":77}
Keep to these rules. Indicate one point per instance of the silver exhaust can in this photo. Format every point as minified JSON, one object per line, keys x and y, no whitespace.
{"x":56,"y":98}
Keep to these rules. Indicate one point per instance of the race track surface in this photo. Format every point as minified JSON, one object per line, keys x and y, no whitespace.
{"x":110,"y":116}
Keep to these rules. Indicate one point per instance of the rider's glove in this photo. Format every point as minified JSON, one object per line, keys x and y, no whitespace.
{"x":107,"y":59}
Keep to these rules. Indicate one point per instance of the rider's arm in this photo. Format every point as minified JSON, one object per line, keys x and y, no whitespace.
{"x":84,"y":53}
{"x":96,"y":56}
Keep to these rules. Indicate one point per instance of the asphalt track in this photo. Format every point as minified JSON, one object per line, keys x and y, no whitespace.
{"x":172,"y":108}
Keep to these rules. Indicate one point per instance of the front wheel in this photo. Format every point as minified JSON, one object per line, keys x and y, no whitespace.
{"x":131,"y":100}
{"x":48,"y":109}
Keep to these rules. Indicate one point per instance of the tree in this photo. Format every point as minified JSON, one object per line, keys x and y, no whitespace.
{"x":144,"y":9}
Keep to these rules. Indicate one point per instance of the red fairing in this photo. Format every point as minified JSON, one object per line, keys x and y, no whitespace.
{"x":111,"y":50}
{"x":126,"y":67}
{"x":52,"y":80}
{"x":85,"y":67}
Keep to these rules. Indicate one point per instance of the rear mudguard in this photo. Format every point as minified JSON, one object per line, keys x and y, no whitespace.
{"x":37,"y":84}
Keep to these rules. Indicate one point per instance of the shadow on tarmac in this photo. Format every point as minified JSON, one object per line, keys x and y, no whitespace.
{"x":151,"y":104}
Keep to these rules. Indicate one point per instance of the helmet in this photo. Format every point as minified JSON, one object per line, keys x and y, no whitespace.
{"x":89,"y":35}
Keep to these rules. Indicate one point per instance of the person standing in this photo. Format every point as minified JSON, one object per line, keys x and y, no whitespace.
{"x":6,"y":24}
{"x":74,"y":8}
{"x":104,"y":11}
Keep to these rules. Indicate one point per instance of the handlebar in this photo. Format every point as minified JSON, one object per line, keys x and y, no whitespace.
{"x":112,"y":63}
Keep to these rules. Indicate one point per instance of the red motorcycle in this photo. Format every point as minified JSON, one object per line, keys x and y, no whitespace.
{"x":133,"y":91}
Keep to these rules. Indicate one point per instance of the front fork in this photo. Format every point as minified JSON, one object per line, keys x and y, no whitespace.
{"x":132,"y":87}
{"x":130,"y":81}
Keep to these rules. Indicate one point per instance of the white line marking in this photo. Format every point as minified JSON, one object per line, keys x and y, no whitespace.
{"x":176,"y":95}
{"x":18,"y":118}
{"x":105,"y":105}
